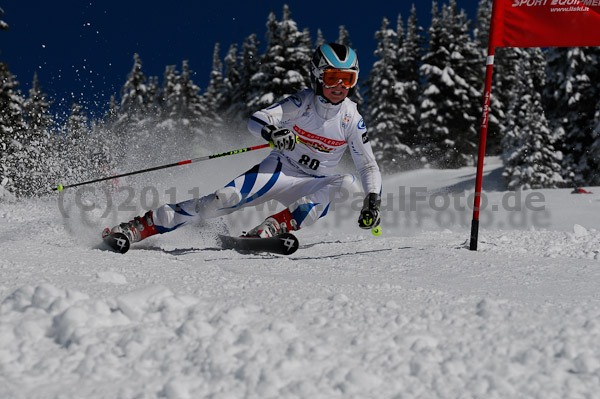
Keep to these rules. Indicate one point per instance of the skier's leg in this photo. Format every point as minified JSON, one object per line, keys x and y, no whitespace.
{"x":322,"y":191}
{"x":261,"y":183}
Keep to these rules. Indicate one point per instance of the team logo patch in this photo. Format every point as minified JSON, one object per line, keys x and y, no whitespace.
{"x":345,"y":121}
{"x":306,"y":111}
{"x":365,"y":138}
{"x":361,"y":124}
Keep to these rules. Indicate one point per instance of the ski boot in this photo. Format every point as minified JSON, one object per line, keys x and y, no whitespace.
{"x":136,"y":230}
{"x":282,"y":222}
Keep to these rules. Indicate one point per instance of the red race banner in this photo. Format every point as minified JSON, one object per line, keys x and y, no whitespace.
{"x":545,"y":23}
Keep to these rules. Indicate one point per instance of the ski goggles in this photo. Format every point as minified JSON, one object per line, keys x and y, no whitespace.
{"x":332,"y":77}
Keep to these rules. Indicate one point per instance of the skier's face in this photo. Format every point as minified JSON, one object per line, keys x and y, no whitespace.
{"x":335,"y":94}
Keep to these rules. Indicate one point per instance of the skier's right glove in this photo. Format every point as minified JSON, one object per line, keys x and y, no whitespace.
{"x":369,"y":214}
{"x":281,"y":138}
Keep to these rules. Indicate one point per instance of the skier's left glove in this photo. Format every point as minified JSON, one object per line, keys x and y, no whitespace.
{"x":281,"y":138}
{"x":369,"y":214}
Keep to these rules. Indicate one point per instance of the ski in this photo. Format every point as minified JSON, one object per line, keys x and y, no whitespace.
{"x":283,"y":244}
{"x":117,"y":242}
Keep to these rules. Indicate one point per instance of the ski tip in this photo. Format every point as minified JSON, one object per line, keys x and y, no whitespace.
{"x":59,"y":187}
{"x":118,"y":242}
{"x":376,"y":231}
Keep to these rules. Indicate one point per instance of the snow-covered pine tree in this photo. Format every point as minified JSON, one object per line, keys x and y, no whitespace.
{"x":214,"y":91}
{"x":530,"y":158}
{"x":297,"y":55}
{"x":320,"y":40}
{"x":198,"y":118}
{"x":184,"y":116}
{"x":571,"y":94}
{"x":37,"y":108}
{"x":451,"y":99}
{"x":154,"y":95}
{"x":170,"y":97}
{"x":383,"y":112}
{"x":266,"y":81}
{"x":231,"y":82}
{"x":408,"y":88}
{"x":133,"y":129}
{"x":134,"y":94}
{"x":36,"y":163}
{"x":207,"y":108}
{"x":344,"y":37}
{"x":247,"y":65}
{"x":75,"y":150}
{"x":285,"y":65}
{"x":481,"y":30}
{"x":12,"y":126}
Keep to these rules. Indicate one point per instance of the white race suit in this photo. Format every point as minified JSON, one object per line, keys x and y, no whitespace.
{"x":302,"y":179}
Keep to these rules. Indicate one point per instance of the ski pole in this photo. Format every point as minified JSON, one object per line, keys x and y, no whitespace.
{"x":204,"y":158}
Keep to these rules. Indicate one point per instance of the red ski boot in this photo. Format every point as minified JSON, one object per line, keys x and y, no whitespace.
{"x":282,"y":222}
{"x":136,"y":230}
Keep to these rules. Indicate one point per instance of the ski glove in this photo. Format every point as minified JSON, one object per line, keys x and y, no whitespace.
{"x":281,"y":138}
{"x":369,"y":214}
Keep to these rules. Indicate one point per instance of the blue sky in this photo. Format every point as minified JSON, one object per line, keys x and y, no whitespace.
{"x":84,"y":49}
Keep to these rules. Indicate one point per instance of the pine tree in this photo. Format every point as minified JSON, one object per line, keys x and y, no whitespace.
{"x":184,"y":115}
{"x":482,"y":24}
{"x":297,"y":55}
{"x":571,"y":95}
{"x":410,"y":49}
{"x":266,"y":80}
{"x":450,"y":100}
{"x":35,"y":163}
{"x":530,"y":157}
{"x":231,"y":84}
{"x":344,"y":37}
{"x":77,"y":151}
{"x":134,"y":94}
{"x":170,"y":97}
{"x":136,"y":119}
{"x":214,"y":92}
{"x":285,"y":65}
{"x":383,"y":115}
{"x":12,"y":126}
{"x":37,"y":108}
{"x":153,"y":95}
{"x":249,"y":61}
{"x":320,"y":40}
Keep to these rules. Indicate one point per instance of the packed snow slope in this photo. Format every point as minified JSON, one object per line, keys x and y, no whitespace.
{"x":410,"y":314}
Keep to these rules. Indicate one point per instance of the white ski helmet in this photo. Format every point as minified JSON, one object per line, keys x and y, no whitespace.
{"x":341,"y":64}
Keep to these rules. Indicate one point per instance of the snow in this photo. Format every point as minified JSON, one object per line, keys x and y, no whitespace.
{"x":410,"y":314}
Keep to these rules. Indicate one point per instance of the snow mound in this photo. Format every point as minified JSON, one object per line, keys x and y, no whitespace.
{"x":152,"y":342}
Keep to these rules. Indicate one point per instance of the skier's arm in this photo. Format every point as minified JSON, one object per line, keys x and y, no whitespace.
{"x":370,"y":177}
{"x":275,"y":115}
{"x":363,"y":158}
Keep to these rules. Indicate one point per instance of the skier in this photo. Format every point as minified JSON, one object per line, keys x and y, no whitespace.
{"x":309,"y":132}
